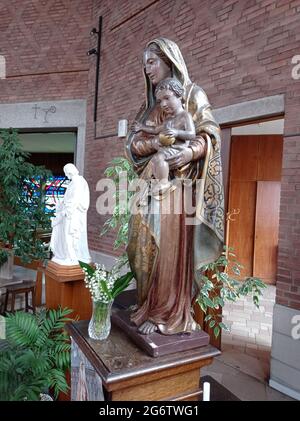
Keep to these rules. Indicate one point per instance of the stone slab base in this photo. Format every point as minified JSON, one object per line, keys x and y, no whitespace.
{"x":157,"y":344}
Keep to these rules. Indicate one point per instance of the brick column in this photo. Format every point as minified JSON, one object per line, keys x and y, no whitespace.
{"x":285,"y":361}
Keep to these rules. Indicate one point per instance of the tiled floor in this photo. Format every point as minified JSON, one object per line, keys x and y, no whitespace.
{"x":244,"y":366}
{"x":250,"y":328}
{"x":244,"y":375}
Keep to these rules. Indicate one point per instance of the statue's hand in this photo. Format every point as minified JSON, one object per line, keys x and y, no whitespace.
{"x":183,"y":157}
{"x":170,"y":132}
{"x":155,"y":143}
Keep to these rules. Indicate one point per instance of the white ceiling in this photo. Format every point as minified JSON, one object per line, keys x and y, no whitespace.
{"x":266,"y":127}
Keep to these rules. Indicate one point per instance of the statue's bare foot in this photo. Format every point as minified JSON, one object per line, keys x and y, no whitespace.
{"x":147,"y":327}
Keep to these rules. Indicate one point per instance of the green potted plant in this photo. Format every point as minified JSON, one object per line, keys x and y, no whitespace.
{"x":22,"y":203}
{"x":222,"y":285}
{"x":120,"y":217}
{"x":35,"y":355}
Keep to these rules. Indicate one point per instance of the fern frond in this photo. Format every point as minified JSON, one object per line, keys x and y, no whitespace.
{"x":21,"y":329}
{"x":35,"y":356}
{"x":58,"y":381}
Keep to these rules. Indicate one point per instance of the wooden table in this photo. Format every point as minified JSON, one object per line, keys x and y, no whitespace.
{"x":127,"y":373}
{"x":37,"y":266}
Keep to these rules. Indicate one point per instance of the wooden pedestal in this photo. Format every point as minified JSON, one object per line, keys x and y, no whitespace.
{"x":65,"y":287}
{"x":128,"y":374}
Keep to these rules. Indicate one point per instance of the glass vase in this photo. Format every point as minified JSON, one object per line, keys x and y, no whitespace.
{"x":100,"y":324}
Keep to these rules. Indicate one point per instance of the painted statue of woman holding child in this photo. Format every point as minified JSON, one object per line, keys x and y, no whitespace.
{"x":176,"y":142}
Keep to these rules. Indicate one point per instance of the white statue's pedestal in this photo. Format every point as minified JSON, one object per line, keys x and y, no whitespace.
{"x":65,"y":287}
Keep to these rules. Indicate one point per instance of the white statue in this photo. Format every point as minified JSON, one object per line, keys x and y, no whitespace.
{"x":69,"y":227}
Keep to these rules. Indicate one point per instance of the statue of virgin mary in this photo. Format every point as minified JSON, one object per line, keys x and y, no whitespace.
{"x":69,"y":234}
{"x":167,"y":250}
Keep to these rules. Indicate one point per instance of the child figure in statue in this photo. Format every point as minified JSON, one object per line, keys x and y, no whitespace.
{"x":173,"y":135}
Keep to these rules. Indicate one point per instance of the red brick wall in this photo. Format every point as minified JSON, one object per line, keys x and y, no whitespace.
{"x":237,"y":51}
{"x":288,"y":279}
{"x":45,"y":44}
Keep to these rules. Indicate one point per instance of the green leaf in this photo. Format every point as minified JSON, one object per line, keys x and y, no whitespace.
{"x":221,"y":301}
{"x":105,"y":289}
{"x":90,"y":270}
{"x":223,"y":326}
{"x":202,"y":305}
{"x":217,"y":331}
{"x":208,"y":302}
{"x":236,"y":270}
{"x":224,"y":277}
{"x":212,"y":323}
{"x":121,"y":284}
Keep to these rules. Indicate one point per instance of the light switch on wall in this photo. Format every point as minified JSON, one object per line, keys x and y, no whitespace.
{"x":122,"y":128}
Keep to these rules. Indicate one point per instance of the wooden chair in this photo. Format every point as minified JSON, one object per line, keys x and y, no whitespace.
{"x":26,"y":287}
{"x":39,"y":266}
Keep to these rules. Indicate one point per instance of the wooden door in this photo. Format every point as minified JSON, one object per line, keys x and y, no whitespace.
{"x":241,"y":230}
{"x":266,"y":230}
{"x":269,"y":157}
{"x":255,"y":173}
{"x":242,"y":197}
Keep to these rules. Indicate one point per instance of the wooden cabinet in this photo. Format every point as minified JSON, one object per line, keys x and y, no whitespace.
{"x":128,"y":374}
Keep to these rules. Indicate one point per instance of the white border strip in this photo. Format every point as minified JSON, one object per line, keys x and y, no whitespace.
{"x":284,"y":389}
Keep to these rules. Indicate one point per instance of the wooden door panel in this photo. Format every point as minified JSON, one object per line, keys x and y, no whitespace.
{"x":270,"y":158}
{"x":241,"y":231}
{"x":244,"y":158}
{"x":266,"y":230}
